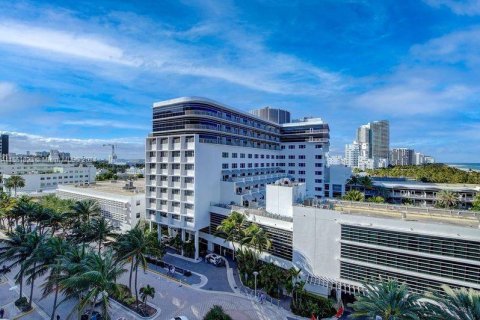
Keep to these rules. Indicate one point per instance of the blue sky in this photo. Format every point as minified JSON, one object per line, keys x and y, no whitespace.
{"x":75,"y":75}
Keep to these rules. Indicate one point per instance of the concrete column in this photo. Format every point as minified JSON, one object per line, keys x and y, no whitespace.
{"x":159,"y":232}
{"x":197,"y":249}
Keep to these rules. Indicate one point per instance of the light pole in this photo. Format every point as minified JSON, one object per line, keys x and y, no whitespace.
{"x":255,"y":273}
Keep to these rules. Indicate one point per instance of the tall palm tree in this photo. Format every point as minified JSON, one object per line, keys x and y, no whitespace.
{"x":34,"y":241}
{"x":98,"y":281}
{"x":387,"y":299}
{"x":447,"y":199}
{"x":101,"y":230}
{"x":454,"y":304}
{"x":23,"y":210}
{"x":146,"y":292}
{"x":233,"y":228}
{"x":16,"y":249}
{"x":257,"y":238}
{"x":366,"y":183}
{"x":353,"y":181}
{"x":14,"y":182}
{"x":49,"y":257}
{"x":135,"y":246}
{"x":84,"y":210}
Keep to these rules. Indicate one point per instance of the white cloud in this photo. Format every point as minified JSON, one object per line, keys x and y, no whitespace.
{"x":79,"y":45}
{"x":243,"y":59}
{"x":462,"y":7}
{"x":13,"y":99}
{"x":127,"y":148}
{"x":456,"y":47}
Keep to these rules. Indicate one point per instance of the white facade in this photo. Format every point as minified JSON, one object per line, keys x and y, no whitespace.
{"x":329,"y":255}
{"x":352,"y":153}
{"x":45,"y":176}
{"x":217,"y":154}
{"x":123,"y":207}
{"x":419,"y":158}
{"x":336,"y":180}
{"x":335,"y":160}
{"x":282,"y":195}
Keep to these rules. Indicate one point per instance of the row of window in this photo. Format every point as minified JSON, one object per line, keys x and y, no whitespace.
{"x":60,"y":177}
{"x":235,"y":155}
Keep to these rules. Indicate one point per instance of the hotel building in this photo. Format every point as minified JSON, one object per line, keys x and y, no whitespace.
{"x":202,"y":152}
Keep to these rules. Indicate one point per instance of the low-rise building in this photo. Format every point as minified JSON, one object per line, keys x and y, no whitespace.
{"x":46,"y":176}
{"x":123,"y":203}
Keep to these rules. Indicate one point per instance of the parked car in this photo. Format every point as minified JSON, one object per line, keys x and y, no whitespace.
{"x":215,"y":259}
{"x":179,"y":318}
{"x":95,"y":315}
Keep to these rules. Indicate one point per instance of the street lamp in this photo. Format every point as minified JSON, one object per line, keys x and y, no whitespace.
{"x":255,"y":273}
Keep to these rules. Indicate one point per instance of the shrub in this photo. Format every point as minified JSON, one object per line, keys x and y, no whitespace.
{"x":22,"y":304}
{"x":217,"y":313}
{"x":309,"y":304}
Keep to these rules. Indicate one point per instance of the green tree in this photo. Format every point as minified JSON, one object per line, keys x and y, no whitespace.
{"x":97,"y":281}
{"x":84,"y":210}
{"x":257,"y":238}
{"x":146,"y":292}
{"x":354,"y":195}
{"x":387,"y":299}
{"x":476,"y":203}
{"x":447,"y":199}
{"x":217,"y":313}
{"x":365,"y":182}
{"x":134,"y":247}
{"x":454,"y":304}
{"x":101,"y":230}
{"x":376,"y":199}
{"x":14,"y":182}
{"x":7,"y":204}
{"x":233,"y":228}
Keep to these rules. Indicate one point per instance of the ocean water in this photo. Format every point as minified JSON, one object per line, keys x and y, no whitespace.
{"x":466,"y":166}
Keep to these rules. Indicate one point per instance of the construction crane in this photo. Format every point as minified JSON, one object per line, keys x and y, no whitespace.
{"x":113,"y":157}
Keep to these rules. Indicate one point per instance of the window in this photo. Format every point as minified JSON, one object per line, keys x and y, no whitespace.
{"x":189,"y":153}
{"x":234,"y":165}
{"x":224,"y":165}
{"x":318,"y":156}
{"x":242,"y":155}
{"x":291,"y":147}
{"x":302,"y":157}
{"x":291,"y":171}
{"x":138,"y":215}
{"x":318,"y":180}
{"x":242,"y":165}
{"x":189,"y":167}
{"x":318,"y":165}
{"x":249,"y":156}
{"x":301,"y":172}
{"x":318,"y":173}
{"x":291,"y":157}
{"x":318,"y":146}
{"x":302,"y":164}
{"x":256,"y":156}
{"x":234,"y":155}
{"x":301,"y":180}
{"x":138,"y":202}
{"x":318,"y":188}
{"x":302,"y":146}
{"x":224,"y":154}
{"x":282,"y":147}
{"x":291,"y":164}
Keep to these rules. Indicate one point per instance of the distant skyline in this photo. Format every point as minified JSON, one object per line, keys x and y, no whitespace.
{"x":75,"y":75}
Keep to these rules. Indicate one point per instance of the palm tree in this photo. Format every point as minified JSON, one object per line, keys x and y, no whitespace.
{"x":366,"y":183}
{"x":232,"y":228}
{"x":14,"y":182}
{"x":33,"y":242}
{"x":50,"y":254}
{"x":387,"y":299}
{"x":146,"y":292}
{"x":16,"y":249}
{"x":135,"y":246}
{"x":353,"y":181}
{"x":447,"y":199}
{"x":98,"y":281}
{"x":7,"y":204}
{"x":354,"y":195}
{"x":23,"y":210}
{"x":454,"y":304}
{"x":86,"y":209}
{"x":101,"y":230}
{"x":256,"y":238}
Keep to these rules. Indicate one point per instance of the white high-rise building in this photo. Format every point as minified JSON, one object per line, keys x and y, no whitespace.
{"x":419,"y":158}
{"x":202,"y":152}
{"x":352,"y":152}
